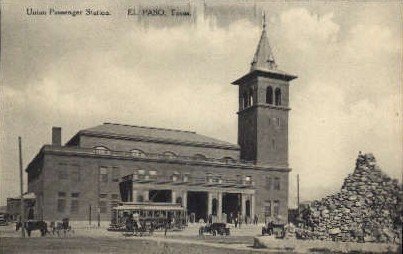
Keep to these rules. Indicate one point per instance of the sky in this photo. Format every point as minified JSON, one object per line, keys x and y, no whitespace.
{"x":78,"y":72}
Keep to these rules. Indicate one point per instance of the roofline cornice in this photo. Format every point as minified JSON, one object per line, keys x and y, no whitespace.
{"x":263,"y":73}
{"x":156,"y":140}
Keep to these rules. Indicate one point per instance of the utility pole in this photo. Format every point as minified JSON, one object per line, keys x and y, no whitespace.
{"x":298,"y":193}
{"x":22,"y":207}
{"x":89,"y":215}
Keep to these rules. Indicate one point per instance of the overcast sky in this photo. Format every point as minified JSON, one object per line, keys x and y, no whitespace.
{"x":80,"y":72}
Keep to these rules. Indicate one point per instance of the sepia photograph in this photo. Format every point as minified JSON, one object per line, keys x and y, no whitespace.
{"x":201,"y":126}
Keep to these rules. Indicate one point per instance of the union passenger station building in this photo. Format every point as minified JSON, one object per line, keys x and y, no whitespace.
{"x":106,"y":164}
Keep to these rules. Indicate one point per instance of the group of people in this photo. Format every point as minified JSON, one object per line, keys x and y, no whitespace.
{"x":238,"y":219}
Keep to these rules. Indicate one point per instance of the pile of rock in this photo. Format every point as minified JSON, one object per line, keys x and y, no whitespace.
{"x":367,"y":208}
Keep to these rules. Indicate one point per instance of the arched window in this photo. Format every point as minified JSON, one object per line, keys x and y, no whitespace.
{"x":137,"y":153}
{"x":269,"y":95}
{"x":102,"y":150}
{"x":245,"y":100}
{"x":169,"y":154}
{"x":251,"y":97}
{"x":278,"y":96}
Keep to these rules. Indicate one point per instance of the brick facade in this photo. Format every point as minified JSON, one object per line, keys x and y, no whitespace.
{"x":84,"y":175}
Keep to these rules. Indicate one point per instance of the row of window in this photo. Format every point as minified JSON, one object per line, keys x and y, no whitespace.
{"x":139,"y":153}
{"x":247,"y":97}
{"x":106,"y":173}
{"x":273,"y":183}
{"x":73,"y":170}
{"x":272,"y":208}
{"x":75,"y":203}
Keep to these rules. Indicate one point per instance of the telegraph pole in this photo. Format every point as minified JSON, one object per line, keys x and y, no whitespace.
{"x":298,"y":193}
{"x":22,"y":211}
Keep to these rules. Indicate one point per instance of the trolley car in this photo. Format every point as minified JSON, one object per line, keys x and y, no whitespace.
{"x":151,"y":215}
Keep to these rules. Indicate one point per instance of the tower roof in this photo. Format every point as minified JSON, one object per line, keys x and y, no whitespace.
{"x":263,"y":63}
{"x":263,"y":58}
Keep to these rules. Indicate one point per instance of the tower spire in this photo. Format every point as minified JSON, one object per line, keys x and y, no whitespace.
{"x":263,"y":58}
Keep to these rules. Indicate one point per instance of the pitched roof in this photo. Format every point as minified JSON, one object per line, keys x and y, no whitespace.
{"x":154,"y":133}
{"x":263,"y":63}
{"x":263,"y":58}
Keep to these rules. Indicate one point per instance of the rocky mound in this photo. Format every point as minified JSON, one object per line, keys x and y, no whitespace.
{"x":367,"y":208}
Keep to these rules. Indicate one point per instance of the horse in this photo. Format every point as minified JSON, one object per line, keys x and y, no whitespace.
{"x":31,"y":225}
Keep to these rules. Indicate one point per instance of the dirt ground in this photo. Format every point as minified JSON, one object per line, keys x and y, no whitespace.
{"x":98,"y":240}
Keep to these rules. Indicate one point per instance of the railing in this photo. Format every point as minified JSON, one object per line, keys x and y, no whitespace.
{"x":157,"y":156}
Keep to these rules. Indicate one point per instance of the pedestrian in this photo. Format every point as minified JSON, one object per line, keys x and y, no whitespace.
{"x":240,"y":220}
{"x":256,"y":219}
{"x":166,"y":228}
{"x":236,"y":221}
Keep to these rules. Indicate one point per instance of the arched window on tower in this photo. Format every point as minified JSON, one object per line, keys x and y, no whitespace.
{"x":245,"y":100}
{"x":269,"y":95}
{"x":251,"y":97}
{"x":278,"y":96}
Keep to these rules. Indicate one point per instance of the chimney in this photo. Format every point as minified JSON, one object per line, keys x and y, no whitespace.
{"x":56,"y":136}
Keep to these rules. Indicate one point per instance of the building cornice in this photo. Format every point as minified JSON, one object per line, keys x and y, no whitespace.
{"x":85,"y":152}
{"x":157,"y":140}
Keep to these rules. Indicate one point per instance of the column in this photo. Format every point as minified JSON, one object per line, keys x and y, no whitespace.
{"x":209,"y":201}
{"x":252,"y":206}
{"x":134,"y":195}
{"x":173,"y":197}
{"x":145,"y":196}
{"x":243,"y":204}
{"x":185,"y":199}
{"x":219,"y":206}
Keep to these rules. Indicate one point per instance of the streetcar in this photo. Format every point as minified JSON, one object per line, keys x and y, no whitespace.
{"x":149,"y":215}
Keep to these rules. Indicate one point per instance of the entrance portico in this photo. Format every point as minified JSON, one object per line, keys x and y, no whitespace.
{"x":202,"y":198}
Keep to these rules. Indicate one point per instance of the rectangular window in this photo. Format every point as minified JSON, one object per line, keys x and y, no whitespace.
{"x":276,"y":208}
{"x":103,"y":195}
{"x":61,"y":205}
{"x":74,"y":206}
{"x":115,"y":174}
{"x":62,"y":174}
{"x":103,"y":174}
{"x":267,"y":209}
{"x":103,"y":207}
{"x":61,"y":194}
{"x":75,"y":194}
{"x":277,"y":183}
{"x":269,"y":183}
{"x":75,"y":174}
